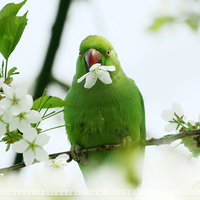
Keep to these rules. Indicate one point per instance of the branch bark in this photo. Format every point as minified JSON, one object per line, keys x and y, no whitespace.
{"x":167,"y":139}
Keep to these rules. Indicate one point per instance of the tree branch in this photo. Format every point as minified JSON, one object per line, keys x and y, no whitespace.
{"x":167,"y":139}
{"x":45,"y":74}
{"x":63,"y":85}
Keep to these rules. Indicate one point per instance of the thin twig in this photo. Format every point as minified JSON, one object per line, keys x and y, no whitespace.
{"x":168,"y":139}
{"x":63,"y":85}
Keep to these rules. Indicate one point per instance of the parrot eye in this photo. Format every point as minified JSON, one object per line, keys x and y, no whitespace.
{"x":80,"y":54}
{"x":108,"y":52}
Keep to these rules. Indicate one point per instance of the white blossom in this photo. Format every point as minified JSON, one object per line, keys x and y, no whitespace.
{"x":17,"y":100}
{"x":32,"y":146}
{"x":170,"y":114}
{"x":97,"y":71}
{"x":59,"y":162}
{"x":24,"y":120}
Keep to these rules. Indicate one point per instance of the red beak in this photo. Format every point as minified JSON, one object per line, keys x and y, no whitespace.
{"x":92,"y":56}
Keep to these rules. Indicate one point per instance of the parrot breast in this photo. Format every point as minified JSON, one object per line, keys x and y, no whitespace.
{"x":103,"y":115}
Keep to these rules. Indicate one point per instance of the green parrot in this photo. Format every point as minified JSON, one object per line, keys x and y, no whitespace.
{"x":108,"y":109}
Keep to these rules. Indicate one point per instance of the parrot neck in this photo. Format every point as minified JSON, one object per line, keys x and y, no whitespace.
{"x":100,"y":92}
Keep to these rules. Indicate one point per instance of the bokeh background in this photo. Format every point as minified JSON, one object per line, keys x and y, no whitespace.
{"x":162,"y":56}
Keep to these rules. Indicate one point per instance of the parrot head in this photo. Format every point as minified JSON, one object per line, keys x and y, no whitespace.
{"x":96,"y":49}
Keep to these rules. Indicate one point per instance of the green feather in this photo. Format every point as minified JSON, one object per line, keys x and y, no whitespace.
{"x":105,"y":114}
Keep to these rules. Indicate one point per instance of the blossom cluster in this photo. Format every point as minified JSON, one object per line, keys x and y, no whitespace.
{"x":174,"y":116}
{"x":15,"y":109}
{"x":16,"y":116}
{"x":177,"y":121}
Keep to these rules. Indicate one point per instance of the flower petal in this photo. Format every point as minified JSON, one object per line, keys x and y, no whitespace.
{"x":41,"y":154}
{"x":90,"y":81}
{"x":6,"y":103}
{"x":23,"y":125}
{"x":83,"y":77}
{"x":33,"y":116}
{"x":2,"y":128}
{"x":176,"y":107}
{"x":2,"y":81}
{"x":2,"y":111}
{"x":21,"y":90}
{"x":8,"y":91}
{"x":108,"y":68}
{"x":62,"y":159}
{"x":167,"y":115}
{"x":7,"y":117}
{"x":20,"y":146}
{"x":63,"y":156}
{"x":104,"y":76}
{"x":95,"y":66}
{"x":30,"y":134}
{"x":15,"y":109}
{"x":26,"y":103}
{"x":14,"y":123}
{"x":42,"y":139}
{"x":48,"y":163}
{"x":28,"y":157}
{"x":170,"y":127}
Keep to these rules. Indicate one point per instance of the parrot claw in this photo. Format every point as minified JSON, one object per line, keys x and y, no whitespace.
{"x":75,"y":151}
{"x":126,"y":142}
{"x":77,"y":155}
{"x":83,"y":159}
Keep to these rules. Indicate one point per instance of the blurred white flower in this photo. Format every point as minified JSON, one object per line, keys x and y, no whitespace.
{"x":59,"y":162}
{"x":170,"y":114}
{"x":5,"y":117}
{"x":24,"y":120}
{"x":32,"y":146}
{"x":17,"y":100}
{"x":2,"y":81}
{"x":97,"y":71}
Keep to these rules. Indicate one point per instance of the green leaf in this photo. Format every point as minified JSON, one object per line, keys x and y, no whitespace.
{"x":11,"y":9}
{"x":160,"y":22}
{"x":11,"y":29}
{"x":8,"y":147}
{"x":50,"y":102}
{"x":192,"y":144}
{"x":193,"y":21}
{"x":12,"y":71}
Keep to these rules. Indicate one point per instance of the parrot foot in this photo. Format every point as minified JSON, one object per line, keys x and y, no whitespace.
{"x":126,"y":142}
{"x":77,"y":155}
